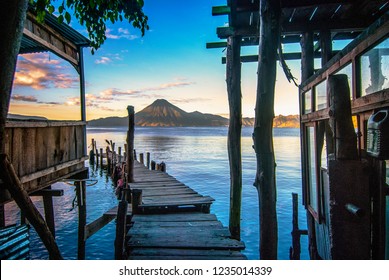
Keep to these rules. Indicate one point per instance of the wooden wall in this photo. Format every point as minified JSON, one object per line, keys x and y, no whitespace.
{"x":43,"y":152}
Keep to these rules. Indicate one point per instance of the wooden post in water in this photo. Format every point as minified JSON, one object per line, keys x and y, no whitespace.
{"x":136,"y":200}
{"x":81,"y":204}
{"x":108,"y":159}
{"x":92,"y":153}
{"x":119,"y":154}
{"x":265,"y":181}
{"x":295,"y":250}
{"x":130,"y":144}
{"x":141,"y":158}
{"x":233,"y":73}
{"x":101,"y":158}
{"x":49,"y":211}
{"x":121,"y":230}
{"x":153,"y":164}
{"x":148,"y":160}
{"x":162,"y":167}
{"x":135,"y":157}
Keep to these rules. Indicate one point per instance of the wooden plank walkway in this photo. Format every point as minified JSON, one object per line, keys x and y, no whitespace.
{"x":174,"y":222}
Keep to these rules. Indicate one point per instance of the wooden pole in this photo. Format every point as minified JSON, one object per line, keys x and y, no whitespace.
{"x":101,"y":158}
{"x":270,"y":12}
{"x":49,"y":211}
{"x":307,"y":70}
{"x":135,"y":157}
{"x":340,"y":117}
{"x":136,"y":200}
{"x":162,"y":166}
{"x":141,"y":158}
{"x":121,"y":230}
{"x":19,"y":194}
{"x":233,"y":80}
{"x":296,"y":249}
{"x":120,"y":154}
{"x":148,"y":160}
{"x":81,"y":203}
{"x":153,"y":164}
{"x":130,"y":144}
{"x":92,"y":153}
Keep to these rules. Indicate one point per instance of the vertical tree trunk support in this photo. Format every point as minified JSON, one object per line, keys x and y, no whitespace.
{"x":307,"y":70}
{"x":234,"y":132}
{"x":11,"y":181}
{"x":130,"y":145}
{"x":270,"y":12}
{"x":340,"y":117}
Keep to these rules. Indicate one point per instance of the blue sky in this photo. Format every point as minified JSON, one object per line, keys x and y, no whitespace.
{"x":170,"y":61}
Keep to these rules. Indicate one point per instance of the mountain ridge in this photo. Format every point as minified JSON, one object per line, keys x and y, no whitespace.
{"x":161,"y":113}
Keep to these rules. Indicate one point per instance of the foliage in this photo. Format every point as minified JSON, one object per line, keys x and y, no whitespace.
{"x":93,"y":14}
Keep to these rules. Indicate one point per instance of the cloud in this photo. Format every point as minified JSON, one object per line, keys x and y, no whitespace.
{"x":40,"y":72}
{"x":29,"y":98}
{"x":103,"y":60}
{"x":190,"y":100}
{"x":119,"y":34}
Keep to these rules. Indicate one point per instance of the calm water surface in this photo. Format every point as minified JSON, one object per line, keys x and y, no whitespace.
{"x":197,"y":157}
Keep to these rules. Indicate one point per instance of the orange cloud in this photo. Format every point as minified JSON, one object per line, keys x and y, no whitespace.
{"x":39,"y":72}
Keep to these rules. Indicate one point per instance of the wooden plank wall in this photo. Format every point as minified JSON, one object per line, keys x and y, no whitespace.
{"x":43,"y":152}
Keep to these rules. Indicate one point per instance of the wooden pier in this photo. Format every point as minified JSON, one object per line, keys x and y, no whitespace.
{"x":172,"y":221}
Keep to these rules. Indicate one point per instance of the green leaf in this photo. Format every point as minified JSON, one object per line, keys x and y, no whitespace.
{"x":67,"y":17}
{"x":60,"y":9}
{"x":51,"y":9}
{"x":60,"y":19}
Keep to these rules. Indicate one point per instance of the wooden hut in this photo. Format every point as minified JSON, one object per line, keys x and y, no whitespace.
{"x":43,"y":152}
{"x":343,"y":109}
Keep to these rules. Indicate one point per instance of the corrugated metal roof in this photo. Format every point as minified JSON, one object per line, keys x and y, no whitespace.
{"x":15,"y":242}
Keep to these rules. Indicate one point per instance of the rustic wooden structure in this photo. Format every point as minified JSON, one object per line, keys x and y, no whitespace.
{"x":315,"y":25}
{"x":40,"y":153}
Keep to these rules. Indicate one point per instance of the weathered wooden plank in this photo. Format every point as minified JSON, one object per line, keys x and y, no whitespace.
{"x":178,"y":225}
{"x":188,"y":231}
{"x":182,"y":252}
{"x":97,"y":224}
{"x":175,"y":217}
{"x":176,"y":241}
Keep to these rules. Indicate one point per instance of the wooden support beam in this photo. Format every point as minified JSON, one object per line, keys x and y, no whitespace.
{"x":325,"y":46}
{"x":49,"y":212}
{"x":234,"y":133}
{"x":121,"y":231}
{"x":96,"y":225}
{"x":81,"y":204}
{"x":47,"y":192}
{"x":265,"y":181}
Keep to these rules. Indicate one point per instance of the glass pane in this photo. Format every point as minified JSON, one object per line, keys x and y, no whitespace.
{"x":323,"y":161}
{"x":375,"y":69}
{"x":321,"y":96}
{"x":311,"y":168}
{"x":348,"y":70}
{"x":308,"y":102}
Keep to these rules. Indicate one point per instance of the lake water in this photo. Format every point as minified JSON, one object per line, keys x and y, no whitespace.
{"x":197,"y":157}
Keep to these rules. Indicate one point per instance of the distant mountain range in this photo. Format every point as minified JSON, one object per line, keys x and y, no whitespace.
{"x":163,"y":113}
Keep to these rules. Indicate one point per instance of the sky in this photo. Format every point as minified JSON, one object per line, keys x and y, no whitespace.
{"x":170,"y":61}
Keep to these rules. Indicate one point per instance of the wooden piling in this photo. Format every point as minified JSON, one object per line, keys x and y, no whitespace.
{"x":135,"y":156}
{"x":121,"y":230}
{"x":162,"y":167}
{"x":234,"y":132}
{"x":119,"y":154}
{"x":101,"y":157}
{"x":130,"y":144}
{"x":153,"y":164}
{"x":295,"y":250}
{"x":265,"y":181}
{"x":108,"y":159}
{"x":136,"y":200}
{"x":141,"y":158}
{"x":49,"y":211}
{"x":81,"y":204}
{"x":92,"y":153}
{"x":148,"y":160}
